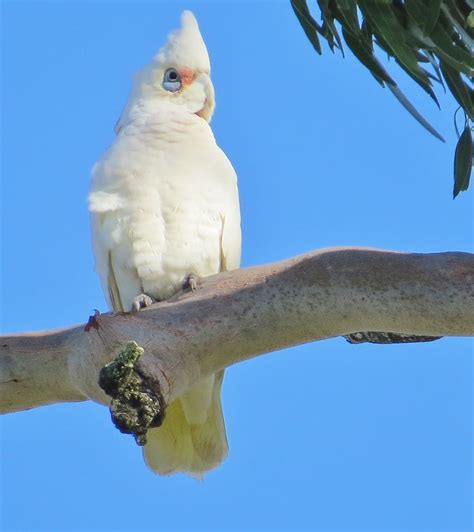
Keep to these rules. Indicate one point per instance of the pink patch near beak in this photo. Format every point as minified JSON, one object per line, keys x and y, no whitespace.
{"x":187,"y":75}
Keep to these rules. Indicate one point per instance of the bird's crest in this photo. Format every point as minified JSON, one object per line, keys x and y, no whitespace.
{"x":185,"y":46}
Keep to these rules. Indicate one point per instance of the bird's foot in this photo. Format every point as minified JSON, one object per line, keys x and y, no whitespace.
{"x":190,"y":282}
{"x":142,"y":301}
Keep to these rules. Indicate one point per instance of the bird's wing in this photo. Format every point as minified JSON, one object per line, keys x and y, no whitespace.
{"x":231,"y":237}
{"x":111,"y":275}
{"x":102,"y":260}
{"x":113,"y":291}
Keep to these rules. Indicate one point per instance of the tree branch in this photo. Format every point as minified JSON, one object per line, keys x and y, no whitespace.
{"x":237,"y":315}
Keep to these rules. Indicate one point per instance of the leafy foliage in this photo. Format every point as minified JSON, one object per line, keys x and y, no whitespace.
{"x":431,"y":40}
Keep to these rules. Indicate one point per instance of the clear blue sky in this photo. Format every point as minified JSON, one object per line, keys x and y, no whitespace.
{"x":324,"y":437}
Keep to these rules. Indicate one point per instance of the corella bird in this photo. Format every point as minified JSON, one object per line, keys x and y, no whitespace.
{"x":164,"y":204}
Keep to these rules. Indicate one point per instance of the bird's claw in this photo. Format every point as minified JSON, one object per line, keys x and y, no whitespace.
{"x":190,"y":282}
{"x":141,"y":301}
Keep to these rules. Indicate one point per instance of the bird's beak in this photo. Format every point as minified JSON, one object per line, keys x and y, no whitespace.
{"x":209,"y":103}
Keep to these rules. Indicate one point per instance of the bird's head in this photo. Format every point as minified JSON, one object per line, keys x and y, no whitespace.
{"x":179,"y":74}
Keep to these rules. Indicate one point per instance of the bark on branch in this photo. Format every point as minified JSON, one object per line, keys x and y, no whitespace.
{"x":237,"y":315}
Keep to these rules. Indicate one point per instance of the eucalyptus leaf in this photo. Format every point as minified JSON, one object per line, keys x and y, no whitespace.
{"x":463,"y":162}
{"x":345,"y":11}
{"x":436,"y":68}
{"x":432,"y":15}
{"x":414,"y":113}
{"x":391,"y":34}
{"x":309,"y":25}
{"x":459,"y":58}
{"x":366,"y":57}
{"x":328,"y":18}
{"x":458,"y":88}
{"x":432,"y":40}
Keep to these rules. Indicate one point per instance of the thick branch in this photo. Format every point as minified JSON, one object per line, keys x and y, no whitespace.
{"x":241,"y":314}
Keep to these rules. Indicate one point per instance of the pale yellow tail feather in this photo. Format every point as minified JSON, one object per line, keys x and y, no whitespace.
{"x":197,"y":400}
{"x":192,"y":448}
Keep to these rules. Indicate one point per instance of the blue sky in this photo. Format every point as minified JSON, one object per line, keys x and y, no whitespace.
{"x":324,"y":437}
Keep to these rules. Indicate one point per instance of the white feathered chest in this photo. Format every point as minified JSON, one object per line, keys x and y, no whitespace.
{"x":160,"y":199}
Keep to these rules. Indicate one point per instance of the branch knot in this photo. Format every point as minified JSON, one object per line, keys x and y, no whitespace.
{"x":136,"y":405}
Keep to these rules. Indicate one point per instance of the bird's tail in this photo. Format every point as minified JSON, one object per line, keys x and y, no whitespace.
{"x":192,"y":438}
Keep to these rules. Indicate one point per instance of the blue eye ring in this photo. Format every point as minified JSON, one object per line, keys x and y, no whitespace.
{"x":172,"y":81}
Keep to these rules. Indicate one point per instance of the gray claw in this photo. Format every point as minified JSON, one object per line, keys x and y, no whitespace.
{"x":141,"y":301}
{"x":190,"y":282}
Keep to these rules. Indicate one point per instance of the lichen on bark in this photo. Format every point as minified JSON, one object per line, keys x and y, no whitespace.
{"x":136,"y":406}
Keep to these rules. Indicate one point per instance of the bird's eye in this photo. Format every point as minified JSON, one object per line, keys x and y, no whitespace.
{"x":172,"y":80}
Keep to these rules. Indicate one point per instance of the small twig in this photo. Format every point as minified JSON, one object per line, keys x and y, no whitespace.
{"x":93,"y":321}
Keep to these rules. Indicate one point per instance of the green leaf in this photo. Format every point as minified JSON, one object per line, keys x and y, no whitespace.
{"x":459,"y":89}
{"x":367,"y":33}
{"x":459,"y":13}
{"x":432,"y":14}
{"x":309,"y":25}
{"x":425,"y":14}
{"x":345,"y":11}
{"x":365,"y":55}
{"x":329,"y":36}
{"x":457,"y":57}
{"x":432,"y":59}
{"x":417,"y":34}
{"x":412,"y":110}
{"x":463,"y":161}
{"x":392,"y":36}
{"x":333,"y":35}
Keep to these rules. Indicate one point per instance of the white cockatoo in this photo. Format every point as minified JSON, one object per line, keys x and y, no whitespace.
{"x":164,"y":204}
